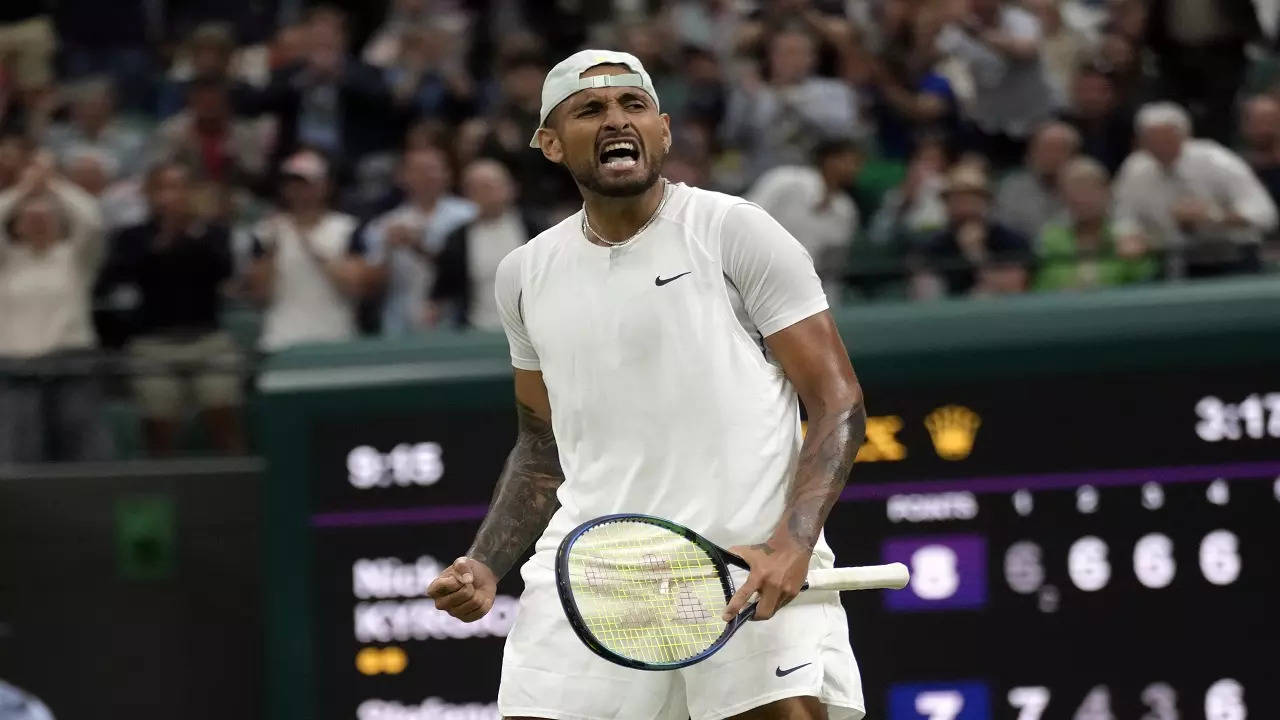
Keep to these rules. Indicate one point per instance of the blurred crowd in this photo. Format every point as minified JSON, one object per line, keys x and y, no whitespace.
{"x":361,"y":168}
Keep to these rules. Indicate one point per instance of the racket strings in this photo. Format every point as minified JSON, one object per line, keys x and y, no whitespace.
{"x":645,"y":592}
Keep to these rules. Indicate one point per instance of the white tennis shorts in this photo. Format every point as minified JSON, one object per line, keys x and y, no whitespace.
{"x":803,"y":650}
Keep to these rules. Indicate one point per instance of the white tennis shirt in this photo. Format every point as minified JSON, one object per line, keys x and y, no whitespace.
{"x":663,"y":398}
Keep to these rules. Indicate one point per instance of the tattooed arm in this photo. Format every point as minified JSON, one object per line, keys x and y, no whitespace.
{"x":814,"y":358}
{"x":522,"y":505}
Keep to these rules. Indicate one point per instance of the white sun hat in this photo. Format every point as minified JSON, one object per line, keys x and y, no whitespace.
{"x":566,"y":79}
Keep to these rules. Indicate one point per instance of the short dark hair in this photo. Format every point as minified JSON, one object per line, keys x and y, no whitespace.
{"x":829,"y":147}
{"x":207,"y":82}
{"x":1098,"y":68}
{"x":155,"y":171}
{"x":523,"y":59}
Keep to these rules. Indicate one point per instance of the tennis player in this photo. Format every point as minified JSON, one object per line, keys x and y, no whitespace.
{"x":660,"y":338}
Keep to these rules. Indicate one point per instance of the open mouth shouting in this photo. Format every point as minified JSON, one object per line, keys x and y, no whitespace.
{"x":619,"y":155}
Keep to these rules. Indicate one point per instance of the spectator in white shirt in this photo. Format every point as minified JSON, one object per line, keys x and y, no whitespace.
{"x":1193,"y":198}
{"x":778,"y":122}
{"x":463,"y":291}
{"x":1029,"y":198}
{"x":810,"y":201}
{"x":404,"y":242}
{"x":50,"y":249}
{"x":308,"y":268}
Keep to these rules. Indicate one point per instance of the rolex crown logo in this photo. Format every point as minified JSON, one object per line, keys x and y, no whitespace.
{"x":953,"y":429}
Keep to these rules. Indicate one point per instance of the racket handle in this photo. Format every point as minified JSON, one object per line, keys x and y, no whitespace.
{"x":893,"y":576}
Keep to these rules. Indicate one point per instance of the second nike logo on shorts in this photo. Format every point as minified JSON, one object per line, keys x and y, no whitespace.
{"x":660,"y":281}
{"x":783,"y":673}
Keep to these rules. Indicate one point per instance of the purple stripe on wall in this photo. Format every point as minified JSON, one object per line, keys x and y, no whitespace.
{"x":440,"y":514}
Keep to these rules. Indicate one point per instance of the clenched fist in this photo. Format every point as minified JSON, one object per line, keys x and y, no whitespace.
{"x":465,"y":589}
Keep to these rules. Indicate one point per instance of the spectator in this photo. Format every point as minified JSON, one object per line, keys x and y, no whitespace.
{"x":544,"y":188}
{"x":222,"y":150}
{"x":15,"y":151}
{"x":50,"y":247}
{"x":1200,"y":52}
{"x":707,"y":95}
{"x":912,"y":98}
{"x":175,"y":265}
{"x":309,"y":268}
{"x":1260,"y":132}
{"x":778,"y":121}
{"x":463,"y":290}
{"x":94,"y":124}
{"x":973,"y":255}
{"x":1001,"y":44}
{"x":27,"y":44}
{"x":1029,"y":198}
{"x":1096,"y":112}
{"x":1080,"y":249}
{"x":426,"y":79}
{"x":914,"y":211}
{"x":811,"y":203}
{"x":1193,"y":198}
{"x":113,"y":39}
{"x":406,"y":240}
{"x":208,"y":57}
{"x":327,"y":100}
{"x":120,"y":201}
{"x":1061,"y":49}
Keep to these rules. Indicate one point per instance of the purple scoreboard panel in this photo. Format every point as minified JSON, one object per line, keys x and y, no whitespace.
{"x":1089,"y":548}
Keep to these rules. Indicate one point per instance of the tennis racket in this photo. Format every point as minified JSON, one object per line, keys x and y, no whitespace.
{"x":648,"y":593}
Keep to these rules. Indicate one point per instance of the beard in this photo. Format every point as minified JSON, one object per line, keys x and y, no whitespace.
{"x":593,"y":178}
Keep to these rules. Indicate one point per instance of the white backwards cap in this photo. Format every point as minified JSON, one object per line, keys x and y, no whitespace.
{"x":566,"y":79}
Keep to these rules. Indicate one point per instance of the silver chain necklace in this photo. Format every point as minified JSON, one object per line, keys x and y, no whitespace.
{"x":588,"y":231}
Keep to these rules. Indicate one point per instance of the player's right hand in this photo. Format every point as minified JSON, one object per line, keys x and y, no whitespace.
{"x":465,"y":589}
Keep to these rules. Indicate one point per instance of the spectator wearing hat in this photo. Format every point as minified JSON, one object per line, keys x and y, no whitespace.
{"x":50,"y":249}
{"x":1192,"y":198}
{"x":1029,"y":198}
{"x":811,"y":202}
{"x":175,"y":265}
{"x":1097,"y":112}
{"x":462,"y":294}
{"x":973,"y":255}
{"x":1080,"y":249}
{"x":309,"y":269}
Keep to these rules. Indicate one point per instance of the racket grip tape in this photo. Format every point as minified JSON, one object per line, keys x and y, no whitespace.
{"x":893,"y":576}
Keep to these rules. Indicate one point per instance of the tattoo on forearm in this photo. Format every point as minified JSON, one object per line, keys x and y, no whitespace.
{"x":826,"y":458}
{"x":525,"y":497}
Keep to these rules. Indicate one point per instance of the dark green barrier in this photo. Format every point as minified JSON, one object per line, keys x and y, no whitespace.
{"x":382,"y":451}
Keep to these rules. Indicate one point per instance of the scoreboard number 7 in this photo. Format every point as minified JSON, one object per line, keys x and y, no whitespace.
{"x":1030,"y":702}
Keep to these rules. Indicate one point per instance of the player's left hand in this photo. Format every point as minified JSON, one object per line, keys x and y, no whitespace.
{"x":778,"y":571}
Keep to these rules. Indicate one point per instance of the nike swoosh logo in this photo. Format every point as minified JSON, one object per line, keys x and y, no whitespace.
{"x":783,"y":673}
{"x":660,"y":281}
